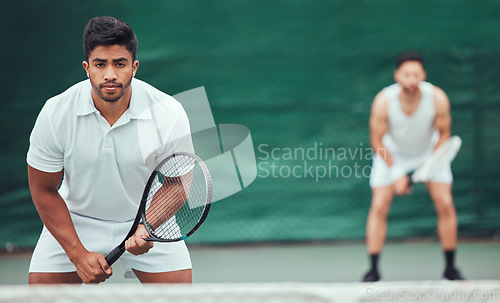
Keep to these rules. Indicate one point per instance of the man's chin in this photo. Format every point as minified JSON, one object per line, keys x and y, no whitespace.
{"x":110,"y":98}
{"x":411,"y":90}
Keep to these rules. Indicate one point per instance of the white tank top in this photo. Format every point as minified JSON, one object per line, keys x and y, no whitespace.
{"x":410,"y":134}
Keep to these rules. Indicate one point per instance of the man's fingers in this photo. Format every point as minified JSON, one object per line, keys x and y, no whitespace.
{"x":92,"y":277}
{"x":137,"y":245}
{"x":143,"y":243}
{"x":105,"y":266}
{"x":83,"y":275}
{"x":94,"y":269}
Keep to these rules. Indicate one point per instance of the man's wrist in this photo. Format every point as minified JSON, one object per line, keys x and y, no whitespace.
{"x":75,"y":252}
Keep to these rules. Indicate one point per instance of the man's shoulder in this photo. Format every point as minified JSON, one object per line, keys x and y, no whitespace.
{"x":437,"y":93}
{"x":69,"y":97}
{"x":427,"y":87}
{"x":380,"y":105}
{"x":441,"y":101}
{"x":391,"y":90}
{"x":150,"y":91}
{"x":154,"y":96}
{"x":59,"y":112}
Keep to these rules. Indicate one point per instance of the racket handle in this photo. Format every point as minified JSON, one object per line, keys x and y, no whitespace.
{"x":115,"y":254}
{"x":410,"y":182}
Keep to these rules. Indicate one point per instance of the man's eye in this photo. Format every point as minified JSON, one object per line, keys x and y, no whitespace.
{"x":120,"y":64}
{"x":99,"y":64}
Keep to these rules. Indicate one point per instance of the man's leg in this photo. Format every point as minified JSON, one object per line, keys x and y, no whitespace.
{"x":54,"y":278}
{"x":376,"y":227}
{"x":447,"y":218}
{"x":447,"y":224}
{"x":179,"y":276}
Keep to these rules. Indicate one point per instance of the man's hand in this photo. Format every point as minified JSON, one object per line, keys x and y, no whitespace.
{"x":137,"y":245}
{"x":92,"y":267}
{"x":401,"y":186}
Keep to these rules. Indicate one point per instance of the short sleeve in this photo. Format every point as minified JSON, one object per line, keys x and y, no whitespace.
{"x":180,"y":139}
{"x":45,"y":152}
{"x":166,"y":133}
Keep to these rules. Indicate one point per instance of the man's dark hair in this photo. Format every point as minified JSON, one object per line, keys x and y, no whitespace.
{"x":106,"y":31}
{"x":409,"y":56}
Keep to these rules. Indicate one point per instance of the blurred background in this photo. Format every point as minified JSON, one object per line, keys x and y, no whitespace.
{"x":301,"y":75}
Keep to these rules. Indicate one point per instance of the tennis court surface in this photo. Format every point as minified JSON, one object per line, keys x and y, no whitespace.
{"x":322,"y":272}
{"x":304,"y":262}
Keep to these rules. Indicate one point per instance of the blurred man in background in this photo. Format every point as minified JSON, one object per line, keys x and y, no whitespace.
{"x":409,"y":119}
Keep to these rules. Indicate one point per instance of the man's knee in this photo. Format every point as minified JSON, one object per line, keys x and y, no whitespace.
{"x":381,"y":202}
{"x":444,"y":205}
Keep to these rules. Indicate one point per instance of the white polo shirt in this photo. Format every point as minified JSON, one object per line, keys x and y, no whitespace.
{"x":106,"y":167}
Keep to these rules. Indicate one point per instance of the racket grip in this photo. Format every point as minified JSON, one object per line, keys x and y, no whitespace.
{"x":410,"y":181}
{"x":115,"y":254}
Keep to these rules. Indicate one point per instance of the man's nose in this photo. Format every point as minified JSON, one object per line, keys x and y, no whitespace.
{"x":110,"y":74}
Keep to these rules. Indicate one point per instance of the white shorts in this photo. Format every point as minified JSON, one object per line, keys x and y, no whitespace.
{"x":103,"y":236}
{"x":381,"y":176}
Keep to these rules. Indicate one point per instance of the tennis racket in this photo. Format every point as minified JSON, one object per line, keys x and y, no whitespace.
{"x":175,"y":202}
{"x":442,"y":156}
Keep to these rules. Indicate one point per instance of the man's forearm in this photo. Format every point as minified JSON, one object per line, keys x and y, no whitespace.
{"x":379,"y":149}
{"x":56,"y":218}
{"x":443,"y":136}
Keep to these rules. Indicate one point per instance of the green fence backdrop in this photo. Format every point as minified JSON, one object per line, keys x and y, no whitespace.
{"x":301,"y":76}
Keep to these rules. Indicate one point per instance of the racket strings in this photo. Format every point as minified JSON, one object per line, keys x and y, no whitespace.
{"x":177,"y":198}
{"x":168,"y":195}
{"x":184,"y":221}
{"x":189,"y":214}
{"x":168,"y":187}
{"x":175,"y":193}
{"x":169,"y":227}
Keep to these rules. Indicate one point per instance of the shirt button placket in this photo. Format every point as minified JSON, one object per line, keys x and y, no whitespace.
{"x":108,"y":141}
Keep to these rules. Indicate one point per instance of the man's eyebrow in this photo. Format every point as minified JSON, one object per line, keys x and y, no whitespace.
{"x":114,"y":60}
{"x":120,"y":59}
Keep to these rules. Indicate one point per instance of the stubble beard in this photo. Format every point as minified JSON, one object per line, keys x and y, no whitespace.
{"x":98,"y":90}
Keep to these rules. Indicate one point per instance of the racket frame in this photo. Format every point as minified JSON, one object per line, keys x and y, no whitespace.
{"x":452,"y":144}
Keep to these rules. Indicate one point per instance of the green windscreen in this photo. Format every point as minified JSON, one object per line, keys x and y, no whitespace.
{"x":301,"y":75}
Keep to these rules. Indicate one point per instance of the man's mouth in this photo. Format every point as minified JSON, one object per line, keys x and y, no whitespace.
{"x":110,"y":88}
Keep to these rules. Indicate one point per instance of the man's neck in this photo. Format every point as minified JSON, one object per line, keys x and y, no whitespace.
{"x":111,"y":111}
{"x":410,"y":97}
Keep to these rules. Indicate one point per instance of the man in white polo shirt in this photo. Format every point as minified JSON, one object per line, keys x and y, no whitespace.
{"x":91,"y":152}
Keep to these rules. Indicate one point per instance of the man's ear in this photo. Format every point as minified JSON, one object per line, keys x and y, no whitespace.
{"x":135,"y":66}
{"x":86,"y":68}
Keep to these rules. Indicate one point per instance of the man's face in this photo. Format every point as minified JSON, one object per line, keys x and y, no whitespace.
{"x":409,"y":75}
{"x":110,"y":70}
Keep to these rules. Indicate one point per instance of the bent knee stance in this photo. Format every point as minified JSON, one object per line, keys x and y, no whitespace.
{"x":381,"y":202}
{"x":380,"y":210}
{"x":445,"y":207}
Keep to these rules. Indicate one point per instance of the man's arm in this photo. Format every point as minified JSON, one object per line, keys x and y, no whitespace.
{"x":379,"y":126}
{"x":442,"y":120}
{"x":91,"y":267}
